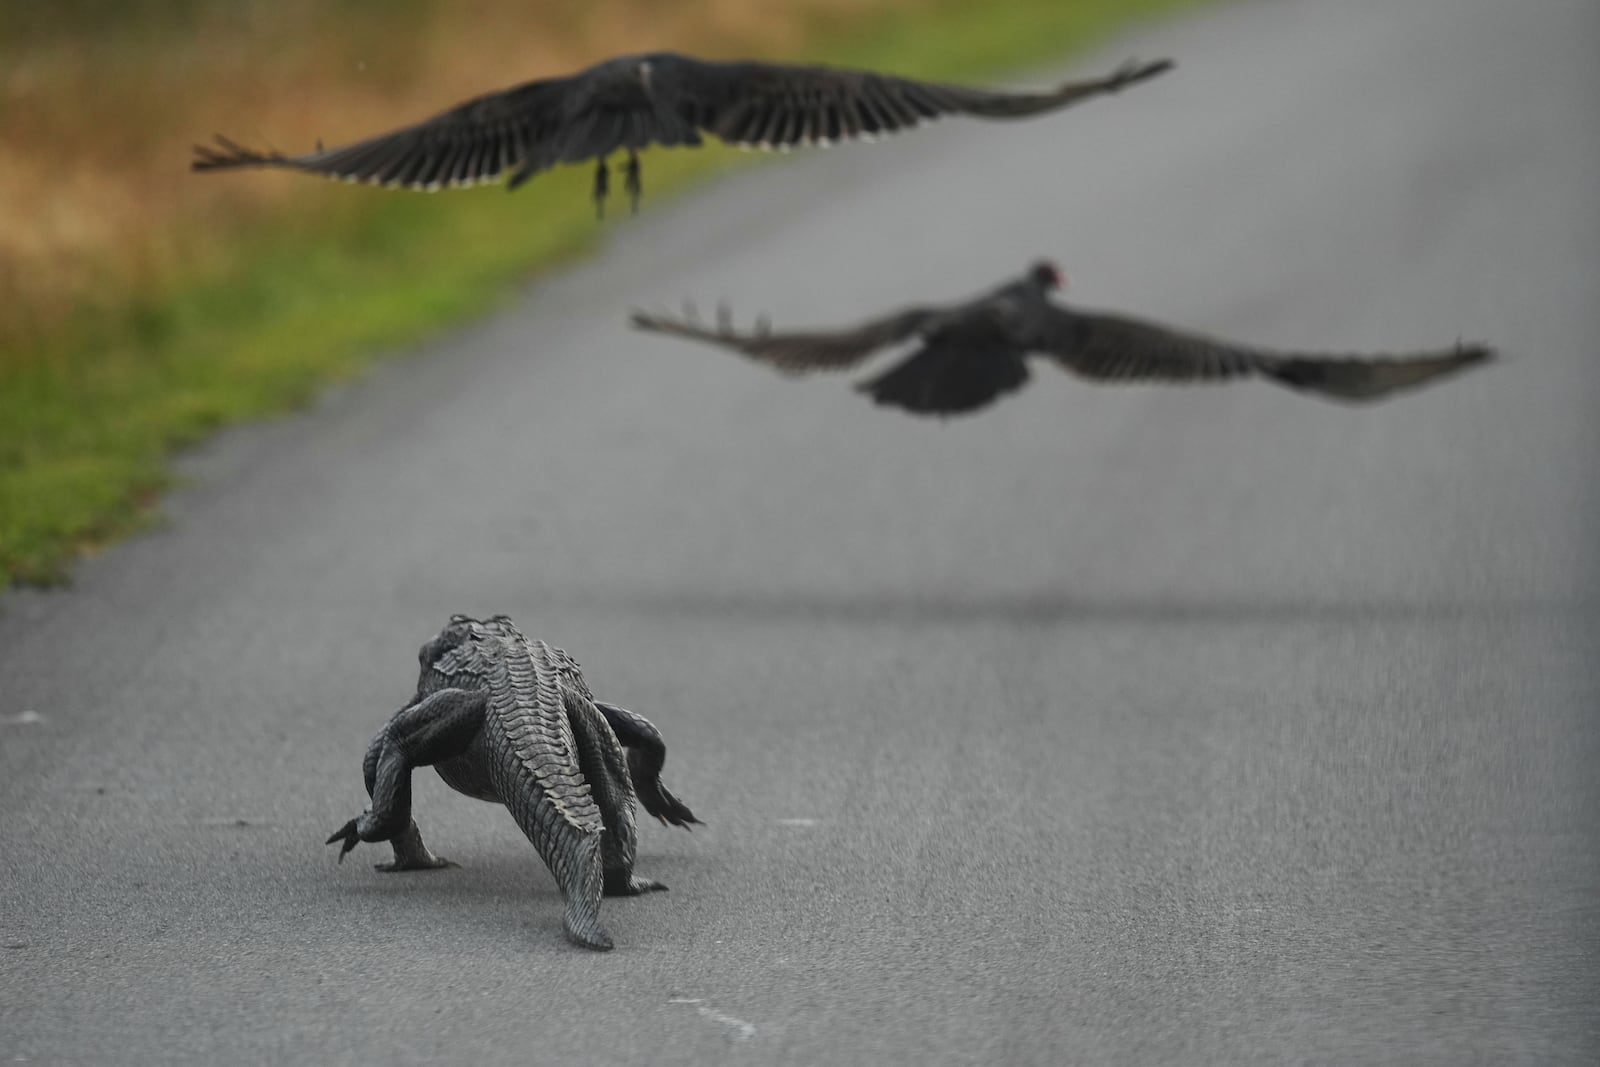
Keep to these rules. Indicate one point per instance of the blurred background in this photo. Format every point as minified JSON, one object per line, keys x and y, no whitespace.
{"x":142,"y":305}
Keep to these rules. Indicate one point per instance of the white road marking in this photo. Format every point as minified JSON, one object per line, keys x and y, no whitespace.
{"x":738,"y":1029}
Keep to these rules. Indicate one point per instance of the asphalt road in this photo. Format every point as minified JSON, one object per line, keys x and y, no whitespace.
{"x":1111,"y":726}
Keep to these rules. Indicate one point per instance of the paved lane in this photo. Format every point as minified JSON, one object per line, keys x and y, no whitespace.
{"x":1112,"y":726}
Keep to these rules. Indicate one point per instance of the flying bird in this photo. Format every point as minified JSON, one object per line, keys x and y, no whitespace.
{"x":632,"y":102}
{"x":971,"y":353}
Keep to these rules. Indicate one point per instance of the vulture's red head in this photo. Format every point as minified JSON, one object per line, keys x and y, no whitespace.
{"x":1046,"y":275}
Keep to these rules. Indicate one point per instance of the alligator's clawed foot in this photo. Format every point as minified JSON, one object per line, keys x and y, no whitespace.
{"x":347,"y":834}
{"x":410,"y":854}
{"x":661,"y":802}
{"x":602,"y":186}
{"x":414,"y":863}
{"x":632,"y":887}
{"x":633,"y":181}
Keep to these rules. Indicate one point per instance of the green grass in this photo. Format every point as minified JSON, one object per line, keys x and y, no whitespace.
{"x":90,"y":417}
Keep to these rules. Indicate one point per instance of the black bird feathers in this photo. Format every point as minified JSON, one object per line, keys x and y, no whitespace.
{"x":973,"y":352}
{"x":632,"y":102}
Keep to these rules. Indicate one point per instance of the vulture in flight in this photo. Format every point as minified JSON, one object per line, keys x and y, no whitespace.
{"x":969,"y":354}
{"x":631,"y":102}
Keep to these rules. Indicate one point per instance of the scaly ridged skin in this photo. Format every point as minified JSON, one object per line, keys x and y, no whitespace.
{"x":538,"y":771}
{"x":510,"y":720}
{"x":606,"y":768}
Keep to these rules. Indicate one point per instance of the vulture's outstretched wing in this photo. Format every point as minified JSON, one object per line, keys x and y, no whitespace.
{"x":1115,"y":348}
{"x":636,"y":101}
{"x":1359,"y":378}
{"x":523,"y":128}
{"x":795,"y":353}
{"x":772,"y":105}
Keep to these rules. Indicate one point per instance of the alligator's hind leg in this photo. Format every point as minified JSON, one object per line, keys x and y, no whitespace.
{"x":646,"y":755}
{"x":433,"y":729}
{"x":605,"y":768}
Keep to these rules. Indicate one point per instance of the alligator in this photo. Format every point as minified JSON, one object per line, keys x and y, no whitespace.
{"x":510,"y":721}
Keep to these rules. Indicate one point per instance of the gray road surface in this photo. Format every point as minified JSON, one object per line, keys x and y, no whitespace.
{"x":1114,"y":726}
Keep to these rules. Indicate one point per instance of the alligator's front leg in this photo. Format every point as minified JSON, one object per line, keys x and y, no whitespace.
{"x":433,"y":729}
{"x":410,"y":854}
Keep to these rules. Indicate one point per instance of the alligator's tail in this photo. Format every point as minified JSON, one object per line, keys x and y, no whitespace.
{"x":582,"y":888}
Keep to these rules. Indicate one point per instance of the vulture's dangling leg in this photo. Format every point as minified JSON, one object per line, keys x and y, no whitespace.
{"x":631,"y":180}
{"x":602,"y":185}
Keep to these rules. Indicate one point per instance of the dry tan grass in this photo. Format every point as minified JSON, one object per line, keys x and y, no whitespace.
{"x":97,"y":204}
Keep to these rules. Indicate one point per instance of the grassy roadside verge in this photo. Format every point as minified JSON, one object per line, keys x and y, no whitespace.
{"x":250,"y":314}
